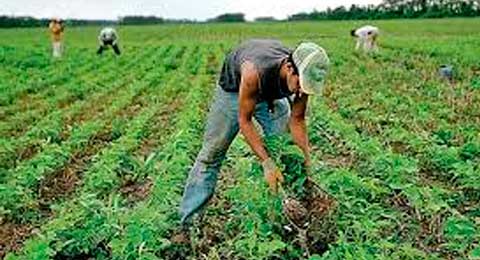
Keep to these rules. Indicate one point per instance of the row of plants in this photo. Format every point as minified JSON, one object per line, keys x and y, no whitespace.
{"x":25,"y":178}
{"x":102,"y":181}
{"x":54,"y":127}
{"x":39,"y":81}
{"x":71,"y":90}
{"x":426,"y":128}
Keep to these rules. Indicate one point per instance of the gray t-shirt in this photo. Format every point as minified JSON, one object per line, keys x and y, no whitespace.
{"x":267,"y":56}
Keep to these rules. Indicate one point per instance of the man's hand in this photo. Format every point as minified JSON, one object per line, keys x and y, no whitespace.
{"x":272,"y":174}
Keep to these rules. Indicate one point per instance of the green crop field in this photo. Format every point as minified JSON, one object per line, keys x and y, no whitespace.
{"x":94,"y":151}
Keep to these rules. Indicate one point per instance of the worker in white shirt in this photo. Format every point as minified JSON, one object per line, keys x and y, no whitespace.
{"x":366,"y":38}
{"x":108,"y":37}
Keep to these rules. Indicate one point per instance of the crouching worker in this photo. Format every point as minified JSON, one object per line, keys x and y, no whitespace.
{"x":366,"y":38}
{"x":261,"y":79}
{"x":108,"y":37}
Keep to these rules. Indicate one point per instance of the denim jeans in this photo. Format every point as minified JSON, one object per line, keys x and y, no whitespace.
{"x":222,"y":127}
{"x":105,"y":45}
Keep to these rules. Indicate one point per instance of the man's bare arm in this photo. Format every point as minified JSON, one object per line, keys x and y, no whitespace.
{"x":298,"y":126}
{"x":247,"y":101}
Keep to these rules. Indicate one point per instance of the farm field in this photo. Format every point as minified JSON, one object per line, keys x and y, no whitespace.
{"x":95,"y":150}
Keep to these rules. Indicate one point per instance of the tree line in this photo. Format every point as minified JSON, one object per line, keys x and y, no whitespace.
{"x":27,"y":21}
{"x":394,"y":9}
{"x":388,"y":9}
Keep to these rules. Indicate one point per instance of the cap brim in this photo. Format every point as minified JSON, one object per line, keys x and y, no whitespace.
{"x":309,"y":87}
{"x":317,"y":71}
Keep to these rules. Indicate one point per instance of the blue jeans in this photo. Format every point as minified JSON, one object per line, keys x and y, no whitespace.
{"x":222,"y":127}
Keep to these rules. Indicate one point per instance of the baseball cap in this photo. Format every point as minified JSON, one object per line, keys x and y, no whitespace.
{"x":312,"y":63}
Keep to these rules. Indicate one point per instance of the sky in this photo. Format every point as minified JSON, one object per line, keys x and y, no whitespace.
{"x":175,"y":9}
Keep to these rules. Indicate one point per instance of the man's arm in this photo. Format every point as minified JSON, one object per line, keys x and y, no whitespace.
{"x":100,"y":38}
{"x":357,"y":46}
{"x":298,"y":126}
{"x":115,"y":37}
{"x":247,"y":100}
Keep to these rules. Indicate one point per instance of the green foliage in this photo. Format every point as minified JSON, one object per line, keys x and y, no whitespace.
{"x":290,"y":160}
{"x":443,"y":137}
{"x":114,"y":139}
{"x":444,"y":159}
{"x":475,"y":83}
{"x":475,"y":253}
{"x":470,"y":151}
{"x":461,"y":233}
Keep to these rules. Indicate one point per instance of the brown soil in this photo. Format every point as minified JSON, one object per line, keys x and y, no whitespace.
{"x":27,"y":152}
{"x":320,"y":206}
{"x":315,"y":213}
{"x":399,"y":147}
{"x":66,"y":102}
{"x":176,"y":252}
{"x":134,"y":191}
{"x":160,"y":125}
{"x":341,"y":161}
{"x":295,"y":212}
{"x":12,"y":236}
{"x":64,"y":181}
{"x":429,"y":237}
{"x":181,"y":237}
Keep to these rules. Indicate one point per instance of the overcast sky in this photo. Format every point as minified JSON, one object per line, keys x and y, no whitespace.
{"x":190,"y":9}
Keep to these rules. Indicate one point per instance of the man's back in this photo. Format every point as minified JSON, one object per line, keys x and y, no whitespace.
{"x":265,"y":54}
{"x":108,"y":34}
{"x":56,"y":29}
{"x":366,"y":30}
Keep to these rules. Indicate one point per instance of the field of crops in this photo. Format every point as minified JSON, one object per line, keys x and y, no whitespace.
{"x":94,"y":151}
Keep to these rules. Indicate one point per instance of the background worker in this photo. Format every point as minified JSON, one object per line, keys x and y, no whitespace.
{"x":56,"y":30}
{"x":108,"y":37}
{"x":366,"y":38}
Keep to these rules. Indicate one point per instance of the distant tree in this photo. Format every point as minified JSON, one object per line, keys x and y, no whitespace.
{"x":390,"y":9}
{"x":16,"y":21}
{"x":299,"y":17}
{"x":229,"y":17}
{"x":339,"y":13}
{"x":139,"y":20}
{"x":21,"y":21}
{"x":25,"y":21}
{"x":265,"y":19}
